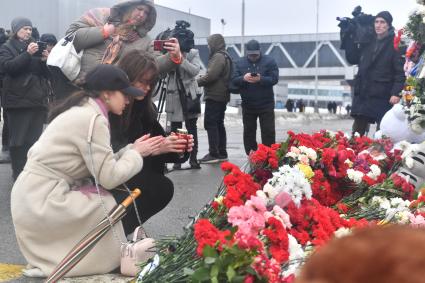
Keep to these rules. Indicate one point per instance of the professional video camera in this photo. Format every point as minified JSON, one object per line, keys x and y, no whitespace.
{"x":182,"y":33}
{"x":358,"y":30}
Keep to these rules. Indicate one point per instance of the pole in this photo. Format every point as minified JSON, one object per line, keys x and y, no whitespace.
{"x":243,"y":29}
{"x":316,"y":76}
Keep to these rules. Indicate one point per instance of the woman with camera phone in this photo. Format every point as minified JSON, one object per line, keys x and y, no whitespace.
{"x":25,"y":91}
{"x":139,"y":118}
{"x":106,"y":34}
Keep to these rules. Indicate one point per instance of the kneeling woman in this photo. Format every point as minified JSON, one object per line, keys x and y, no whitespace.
{"x":51,"y":209}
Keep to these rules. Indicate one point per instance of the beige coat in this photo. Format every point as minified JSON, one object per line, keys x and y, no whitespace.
{"x":49,"y":213}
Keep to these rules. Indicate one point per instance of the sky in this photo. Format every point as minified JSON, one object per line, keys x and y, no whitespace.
{"x":267,"y":17}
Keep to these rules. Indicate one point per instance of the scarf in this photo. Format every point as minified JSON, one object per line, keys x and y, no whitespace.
{"x":126,"y":33}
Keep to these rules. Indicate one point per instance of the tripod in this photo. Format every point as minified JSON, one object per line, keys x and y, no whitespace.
{"x":162,"y":90}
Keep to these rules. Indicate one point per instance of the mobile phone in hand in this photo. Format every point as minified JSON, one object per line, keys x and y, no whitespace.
{"x":254,"y":74}
{"x":158,"y":45}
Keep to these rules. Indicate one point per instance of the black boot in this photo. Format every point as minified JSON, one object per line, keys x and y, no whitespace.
{"x":193,"y":161}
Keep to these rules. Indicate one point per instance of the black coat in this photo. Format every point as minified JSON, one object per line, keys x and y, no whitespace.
{"x":121,"y":136}
{"x":259,"y":96}
{"x":25,"y":83}
{"x":380,"y":76}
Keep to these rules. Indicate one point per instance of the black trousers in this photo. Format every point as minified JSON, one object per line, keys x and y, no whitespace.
{"x":214,"y":125}
{"x":157,"y":192}
{"x":192,"y":129}
{"x":25,"y":127}
{"x":267,"y":127}
{"x":361,"y":125}
{"x":5,"y":131}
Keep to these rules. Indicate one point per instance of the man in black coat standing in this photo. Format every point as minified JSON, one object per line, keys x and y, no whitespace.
{"x":380,"y":78}
{"x":255,"y":75}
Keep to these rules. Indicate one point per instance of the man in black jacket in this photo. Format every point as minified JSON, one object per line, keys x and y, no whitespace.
{"x":380,"y":78}
{"x":255,"y":75}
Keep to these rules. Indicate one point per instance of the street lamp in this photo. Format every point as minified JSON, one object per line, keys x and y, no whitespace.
{"x":223,"y":23}
{"x":316,"y":76}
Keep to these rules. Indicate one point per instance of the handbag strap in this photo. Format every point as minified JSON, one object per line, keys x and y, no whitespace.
{"x":102,"y":202}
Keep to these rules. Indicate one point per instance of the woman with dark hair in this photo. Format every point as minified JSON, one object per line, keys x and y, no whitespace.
{"x":25,"y":91}
{"x":140,"y":119}
{"x":54,"y":202}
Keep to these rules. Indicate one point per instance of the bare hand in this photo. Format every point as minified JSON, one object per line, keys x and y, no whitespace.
{"x":249,"y":78}
{"x":173,"y":48}
{"x":44,"y":55}
{"x":109,"y":28}
{"x":147,"y":145}
{"x":394,"y":100}
{"x":172,"y":143}
{"x":190,"y":144}
{"x":32,"y":48}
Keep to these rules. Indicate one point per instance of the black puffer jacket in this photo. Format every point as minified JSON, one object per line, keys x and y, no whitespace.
{"x":25,"y":83}
{"x":380,"y":76}
{"x":258,"y":96}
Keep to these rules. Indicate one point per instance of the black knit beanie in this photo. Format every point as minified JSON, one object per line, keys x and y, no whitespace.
{"x":386,"y":16}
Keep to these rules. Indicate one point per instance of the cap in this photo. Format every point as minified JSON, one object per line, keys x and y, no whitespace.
{"x":49,"y":38}
{"x":110,"y":77}
{"x":253,"y":48}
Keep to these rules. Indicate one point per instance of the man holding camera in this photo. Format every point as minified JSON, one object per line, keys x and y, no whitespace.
{"x":380,"y":78}
{"x":25,"y":90}
{"x":255,"y":75}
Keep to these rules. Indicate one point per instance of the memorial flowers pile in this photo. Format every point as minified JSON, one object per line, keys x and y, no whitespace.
{"x":290,"y":200}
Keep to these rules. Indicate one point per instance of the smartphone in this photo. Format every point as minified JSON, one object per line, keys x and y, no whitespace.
{"x":254,"y":74}
{"x":41,"y":47}
{"x":158,"y":45}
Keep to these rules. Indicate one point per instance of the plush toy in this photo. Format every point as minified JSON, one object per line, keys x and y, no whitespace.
{"x":395,"y":126}
{"x":413,"y":164}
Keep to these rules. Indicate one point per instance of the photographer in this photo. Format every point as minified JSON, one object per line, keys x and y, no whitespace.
{"x":25,"y":90}
{"x":5,"y":131}
{"x":106,"y":34}
{"x":380,"y":78}
{"x":182,"y":91}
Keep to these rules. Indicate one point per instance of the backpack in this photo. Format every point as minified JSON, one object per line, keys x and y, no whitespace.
{"x":230,"y":85}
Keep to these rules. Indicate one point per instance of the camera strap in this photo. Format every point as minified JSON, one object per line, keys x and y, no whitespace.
{"x":181,"y":90}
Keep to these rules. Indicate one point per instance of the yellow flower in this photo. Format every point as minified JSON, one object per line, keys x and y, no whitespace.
{"x":306,"y":169}
{"x":219,"y":200}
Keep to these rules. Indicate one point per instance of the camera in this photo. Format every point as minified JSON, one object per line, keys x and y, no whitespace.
{"x":359,"y":29}
{"x":184,"y":35}
{"x":41,"y":47}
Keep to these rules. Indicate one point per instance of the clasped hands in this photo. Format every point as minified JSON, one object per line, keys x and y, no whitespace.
{"x":158,"y":145}
{"x":252,"y":79}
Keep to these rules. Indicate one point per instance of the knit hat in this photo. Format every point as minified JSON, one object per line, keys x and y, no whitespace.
{"x":386,"y":16}
{"x":20,"y":22}
{"x":253,"y":48}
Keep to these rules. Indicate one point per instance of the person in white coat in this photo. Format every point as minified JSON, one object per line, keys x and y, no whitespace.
{"x":51,"y":208}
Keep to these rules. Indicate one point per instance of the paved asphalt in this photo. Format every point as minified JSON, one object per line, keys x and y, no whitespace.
{"x":193,"y":188}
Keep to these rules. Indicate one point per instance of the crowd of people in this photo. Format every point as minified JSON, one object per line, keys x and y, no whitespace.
{"x":110,"y":103}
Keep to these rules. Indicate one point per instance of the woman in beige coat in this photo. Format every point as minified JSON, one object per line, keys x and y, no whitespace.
{"x":51,"y":209}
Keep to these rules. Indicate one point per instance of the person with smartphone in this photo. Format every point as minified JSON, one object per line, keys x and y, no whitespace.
{"x":106,"y":35}
{"x":25,"y":91}
{"x":255,"y":75}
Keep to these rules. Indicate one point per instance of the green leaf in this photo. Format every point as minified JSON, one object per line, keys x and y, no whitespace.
{"x":209,"y":252}
{"x":201,"y":274}
{"x":230,"y":273}
{"x":214,"y":271}
{"x":214,"y":280}
{"x":188,"y":271}
{"x":238,"y":279}
{"x":209,"y":260}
